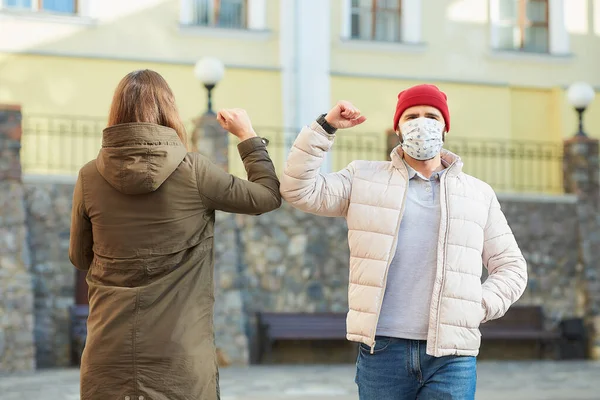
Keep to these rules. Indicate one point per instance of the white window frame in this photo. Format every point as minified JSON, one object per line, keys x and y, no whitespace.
{"x":410,"y":21}
{"x":256,"y":17}
{"x":558,"y":37}
{"x":79,"y":4}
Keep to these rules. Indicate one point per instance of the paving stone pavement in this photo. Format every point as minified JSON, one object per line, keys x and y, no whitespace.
{"x":496,"y":381}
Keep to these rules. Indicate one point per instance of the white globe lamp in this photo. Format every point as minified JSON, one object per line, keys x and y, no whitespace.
{"x":209,"y":71}
{"x":580,"y":95}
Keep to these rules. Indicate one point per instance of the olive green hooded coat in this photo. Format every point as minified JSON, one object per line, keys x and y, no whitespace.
{"x":142,"y":226}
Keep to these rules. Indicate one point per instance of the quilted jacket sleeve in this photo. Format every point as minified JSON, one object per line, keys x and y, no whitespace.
{"x":505,"y":264}
{"x":305,"y":187}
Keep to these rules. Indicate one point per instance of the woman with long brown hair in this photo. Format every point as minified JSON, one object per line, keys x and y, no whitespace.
{"x":142,"y":227}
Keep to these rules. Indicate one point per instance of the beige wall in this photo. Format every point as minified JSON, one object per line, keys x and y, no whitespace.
{"x":139,"y":30}
{"x":82,"y":87}
{"x":70,"y":66}
{"x":456,"y":47}
{"x":494,"y":114}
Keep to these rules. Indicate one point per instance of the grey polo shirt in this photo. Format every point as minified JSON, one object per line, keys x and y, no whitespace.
{"x":411,"y":275}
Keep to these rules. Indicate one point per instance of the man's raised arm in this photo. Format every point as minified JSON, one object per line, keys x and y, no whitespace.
{"x":302,"y":184}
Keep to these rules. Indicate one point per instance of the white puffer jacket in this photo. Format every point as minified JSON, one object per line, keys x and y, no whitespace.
{"x":473,"y":230}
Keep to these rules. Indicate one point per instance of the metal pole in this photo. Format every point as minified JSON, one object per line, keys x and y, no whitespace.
{"x":209,"y":88}
{"x":580,"y":132}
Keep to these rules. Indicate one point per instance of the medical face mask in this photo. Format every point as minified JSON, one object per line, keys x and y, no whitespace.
{"x":422,"y":138}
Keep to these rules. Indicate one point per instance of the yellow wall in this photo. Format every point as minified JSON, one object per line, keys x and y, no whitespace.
{"x":492,"y":95}
{"x":477,"y":111}
{"x":539,"y":119}
{"x":140,"y":30}
{"x":83,"y":87}
{"x":62,"y":86}
{"x":71,"y":67}
{"x":456,"y":47}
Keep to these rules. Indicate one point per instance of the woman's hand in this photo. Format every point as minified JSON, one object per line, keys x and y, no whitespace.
{"x":236,"y":121}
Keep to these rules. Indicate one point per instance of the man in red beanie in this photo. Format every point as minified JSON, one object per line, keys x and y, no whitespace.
{"x":419,"y":230}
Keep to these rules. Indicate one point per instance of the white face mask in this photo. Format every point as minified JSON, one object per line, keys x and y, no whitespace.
{"x":422,"y":138}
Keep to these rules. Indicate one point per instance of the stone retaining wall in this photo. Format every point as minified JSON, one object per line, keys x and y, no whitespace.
{"x":17,"y":350}
{"x":48,"y":220}
{"x":546,"y":229}
{"x":286,"y":261}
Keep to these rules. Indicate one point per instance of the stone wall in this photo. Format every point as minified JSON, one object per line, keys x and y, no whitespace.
{"x":581,"y":177}
{"x":17,"y":351}
{"x":232,"y":328}
{"x":546,"y":229}
{"x":287,"y":261}
{"x":48,"y":221}
{"x":295,"y":261}
{"x":281,"y":261}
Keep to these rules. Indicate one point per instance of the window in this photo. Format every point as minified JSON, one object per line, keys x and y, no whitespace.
{"x":220,"y":13}
{"x":376,"y":20}
{"x":54,"y":6}
{"x":523,"y":25}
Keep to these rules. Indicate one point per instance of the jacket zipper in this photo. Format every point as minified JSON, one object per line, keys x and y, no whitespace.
{"x":391,"y":258}
{"x":437,"y":318}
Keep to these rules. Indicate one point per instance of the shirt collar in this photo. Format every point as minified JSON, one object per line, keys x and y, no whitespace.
{"x":412,"y":173}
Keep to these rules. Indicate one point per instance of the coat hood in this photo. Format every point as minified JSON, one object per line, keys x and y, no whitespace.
{"x":136,"y":158}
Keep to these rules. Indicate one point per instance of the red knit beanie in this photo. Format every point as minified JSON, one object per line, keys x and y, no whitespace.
{"x":422,"y":95}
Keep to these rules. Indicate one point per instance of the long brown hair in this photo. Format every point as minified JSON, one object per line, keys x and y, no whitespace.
{"x":145,"y":96}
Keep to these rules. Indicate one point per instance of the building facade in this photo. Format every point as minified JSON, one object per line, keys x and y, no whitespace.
{"x":505,"y":64}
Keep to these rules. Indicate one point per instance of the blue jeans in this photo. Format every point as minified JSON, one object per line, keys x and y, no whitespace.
{"x":399,"y":369}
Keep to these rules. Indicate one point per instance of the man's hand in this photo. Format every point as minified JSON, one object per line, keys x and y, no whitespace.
{"x":236,"y":121}
{"x":344,"y":115}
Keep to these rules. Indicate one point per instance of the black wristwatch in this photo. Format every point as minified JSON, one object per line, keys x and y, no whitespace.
{"x":323,"y":122}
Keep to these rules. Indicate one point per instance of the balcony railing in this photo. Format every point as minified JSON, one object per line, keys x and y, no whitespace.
{"x":62,"y":145}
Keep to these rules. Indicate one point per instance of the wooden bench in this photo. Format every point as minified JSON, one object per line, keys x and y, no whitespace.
{"x":523,"y":323}
{"x":296,"y":326}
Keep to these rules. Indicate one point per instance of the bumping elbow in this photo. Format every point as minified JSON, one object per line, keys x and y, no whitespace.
{"x":272,"y":204}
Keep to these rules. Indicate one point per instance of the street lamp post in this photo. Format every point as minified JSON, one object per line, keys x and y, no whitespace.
{"x":208,"y":137}
{"x":209,"y":71}
{"x":580,"y":95}
{"x":580,"y":177}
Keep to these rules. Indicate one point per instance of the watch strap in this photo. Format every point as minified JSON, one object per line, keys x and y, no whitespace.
{"x":325,"y":125}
